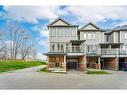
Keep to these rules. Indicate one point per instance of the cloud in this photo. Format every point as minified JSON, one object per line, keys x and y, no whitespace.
{"x":43,"y":42}
{"x":97,"y":13}
{"x":42,"y":29}
{"x":31,"y":13}
{"x":44,"y":33}
{"x":120,"y":23}
{"x":41,"y":56}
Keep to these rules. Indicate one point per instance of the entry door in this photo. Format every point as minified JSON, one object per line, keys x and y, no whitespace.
{"x":72,"y":65}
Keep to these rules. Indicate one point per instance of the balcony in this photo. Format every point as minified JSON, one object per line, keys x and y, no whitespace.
{"x":113,"y":51}
{"x":98,"y":51}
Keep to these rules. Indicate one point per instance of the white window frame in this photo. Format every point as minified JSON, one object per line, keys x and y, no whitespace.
{"x":53,"y":33}
{"x":84,"y":36}
{"x":89,"y":35}
{"x":60,"y":32}
{"x":67,"y":34}
{"x":94,"y":36}
{"x":73,"y":32}
{"x":126,"y":35}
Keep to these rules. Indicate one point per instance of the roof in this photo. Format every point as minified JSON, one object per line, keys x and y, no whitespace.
{"x":55,"y":53}
{"x":77,"y":41}
{"x":113,"y":44}
{"x":68,"y":24}
{"x":110,"y":43}
{"x":90,"y":23}
{"x":123,"y":27}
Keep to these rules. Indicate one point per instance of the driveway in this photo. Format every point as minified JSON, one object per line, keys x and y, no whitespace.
{"x":31,"y":79}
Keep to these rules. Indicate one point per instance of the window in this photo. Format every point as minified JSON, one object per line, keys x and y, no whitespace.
{"x":124,"y":47}
{"x":62,"y":48}
{"x":53,"y":47}
{"x":94,"y":35}
{"x":53,"y":32}
{"x":58,"y":46}
{"x":57,"y":62}
{"x":125,"y":35}
{"x":84,"y":36}
{"x":73,"y":32}
{"x":60,"y":32}
{"x":89,"y":48}
{"x":107,"y":38}
{"x":89,"y":36}
{"x":67,"y":32}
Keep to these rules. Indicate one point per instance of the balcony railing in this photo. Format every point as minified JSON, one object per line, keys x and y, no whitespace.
{"x":75,"y":49}
{"x":114,"y":51}
{"x":82,"y":49}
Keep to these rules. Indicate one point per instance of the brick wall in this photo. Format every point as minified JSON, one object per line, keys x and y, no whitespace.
{"x":110,"y":63}
{"x":82,"y":63}
{"x":54,"y":59}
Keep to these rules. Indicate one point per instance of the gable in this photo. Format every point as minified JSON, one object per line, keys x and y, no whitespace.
{"x":90,"y":27}
{"x":60,"y":22}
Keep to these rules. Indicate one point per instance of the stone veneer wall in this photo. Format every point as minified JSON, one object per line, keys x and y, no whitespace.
{"x":110,"y":63}
{"x":52,"y":61}
{"x":82,"y":64}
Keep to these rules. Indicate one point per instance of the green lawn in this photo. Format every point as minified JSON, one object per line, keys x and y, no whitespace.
{"x":97,"y":72}
{"x":15,"y":65}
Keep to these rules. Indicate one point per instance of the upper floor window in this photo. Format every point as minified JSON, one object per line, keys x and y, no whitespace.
{"x":62,"y":47}
{"x":58,"y":46}
{"x":94,"y":36}
{"x":60,"y":32}
{"x":84,"y":36}
{"x":125,"y":35}
{"x":89,"y":36}
{"x":53,"y":47}
{"x":107,"y":38}
{"x":73,"y":32}
{"x":53,"y":32}
{"x":67,"y":32}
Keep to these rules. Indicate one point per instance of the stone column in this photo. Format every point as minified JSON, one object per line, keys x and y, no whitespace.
{"x":99,"y":63}
{"x":117,"y":63}
{"x":65,"y":62}
{"x":82,"y":64}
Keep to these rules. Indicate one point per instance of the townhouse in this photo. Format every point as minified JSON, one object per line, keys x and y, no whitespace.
{"x":87,"y":47}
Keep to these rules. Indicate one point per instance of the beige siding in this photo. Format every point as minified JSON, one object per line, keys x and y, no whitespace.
{"x":90,"y":27}
{"x":60,"y":22}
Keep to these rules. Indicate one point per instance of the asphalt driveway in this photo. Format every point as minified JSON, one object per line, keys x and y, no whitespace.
{"x":31,"y":79}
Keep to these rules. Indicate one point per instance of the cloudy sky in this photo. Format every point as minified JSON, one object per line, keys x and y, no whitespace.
{"x":35,"y":18}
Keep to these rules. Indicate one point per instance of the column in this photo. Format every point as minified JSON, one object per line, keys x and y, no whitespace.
{"x":48,"y":62}
{"x":99,"y":63}
{"x":84,"y":59}
{"x":117,"y":63}
{"x":64,"y":65}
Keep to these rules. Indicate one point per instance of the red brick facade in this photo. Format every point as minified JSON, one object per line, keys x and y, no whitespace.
{"x":110,"y":63}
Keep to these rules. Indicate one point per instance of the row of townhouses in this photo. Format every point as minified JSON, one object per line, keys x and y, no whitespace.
{"x":87,"y":47}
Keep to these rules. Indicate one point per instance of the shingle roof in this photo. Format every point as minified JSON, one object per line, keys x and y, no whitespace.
{"x":123,"y":27}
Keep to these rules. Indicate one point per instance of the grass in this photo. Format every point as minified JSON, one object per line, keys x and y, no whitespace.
{"x":9,"y":65}
{"x":98,"y":72}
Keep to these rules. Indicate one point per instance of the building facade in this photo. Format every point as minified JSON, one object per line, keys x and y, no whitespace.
{"x":87,"y":47}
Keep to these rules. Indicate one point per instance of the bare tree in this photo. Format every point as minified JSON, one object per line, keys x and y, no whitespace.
{"x":19,"y":41}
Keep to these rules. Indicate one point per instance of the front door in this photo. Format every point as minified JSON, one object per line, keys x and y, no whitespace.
{"x":72,"y":65}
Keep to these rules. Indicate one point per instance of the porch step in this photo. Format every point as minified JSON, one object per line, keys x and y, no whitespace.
{"x":60,"y":70}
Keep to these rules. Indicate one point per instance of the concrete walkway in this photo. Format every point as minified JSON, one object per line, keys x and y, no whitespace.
{"x":31,"y":79}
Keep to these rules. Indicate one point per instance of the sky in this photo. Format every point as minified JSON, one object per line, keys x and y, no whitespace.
{"x":36,"y":18}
